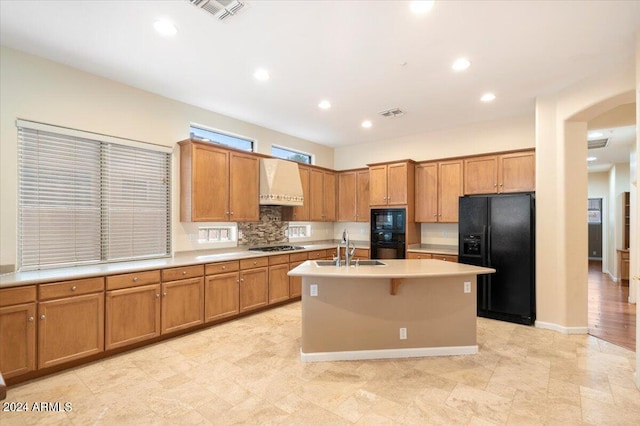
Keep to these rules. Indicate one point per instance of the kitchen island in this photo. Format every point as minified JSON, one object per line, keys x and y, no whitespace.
{"x":400,"y":309}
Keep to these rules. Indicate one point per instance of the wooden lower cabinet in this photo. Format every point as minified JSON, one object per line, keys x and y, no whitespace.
{"x":254,"y":288}
{"x":412,"y":255}
{"x":295,"y":283}
{"x":132,"y":315}
{"x":182,"y":304}
{"x":222,"y":296}
{"x":17,"y":339}
{"x":445,"y":257}
{"x":70,"y":328}
{"x":278,"y":283}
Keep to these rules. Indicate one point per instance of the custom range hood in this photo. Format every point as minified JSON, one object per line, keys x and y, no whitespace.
{"x":280,"y":183}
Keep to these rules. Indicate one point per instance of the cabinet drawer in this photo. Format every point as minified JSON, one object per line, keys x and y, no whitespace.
{"x":174,"y":274}
{"x":298,"y":257}
{"x":71,"y":288}
{"x":222,"y":267}
{"x":17,"y":295}
{"x":412,"y":255}
{"x":256,"y":262}
{"x":317,"y":254}
{"x":278,"y":259}
{"x":446,"y":257}
{"x":361,"y":253}
{"x":134,"y":279}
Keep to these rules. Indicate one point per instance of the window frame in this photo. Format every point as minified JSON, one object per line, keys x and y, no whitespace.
{"x":254,"y":142}
{"x":294,"y":151}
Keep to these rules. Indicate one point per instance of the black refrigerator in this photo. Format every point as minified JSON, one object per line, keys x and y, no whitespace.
{"x":498,"y":231}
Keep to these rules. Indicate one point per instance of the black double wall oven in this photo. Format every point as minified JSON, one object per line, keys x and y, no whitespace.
{"x":388,"y":233}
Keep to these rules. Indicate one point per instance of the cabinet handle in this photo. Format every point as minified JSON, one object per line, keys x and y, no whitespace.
{"x":231,"y":213}
{"x":74,"y":288}
{"x":255,"y":263}
{"x":241,"y":280}
{"x":30,"y":319}
{"x":237,"y":281}
{"x":224,"y":267}
{"x":135,"y":279}
{"x":42,"y":317}
{"x":184,"y":272}
{"x":495,"y":184}
{"x":226,"y":213}
{"x":164,"y":294}
{"x":157,"y":295}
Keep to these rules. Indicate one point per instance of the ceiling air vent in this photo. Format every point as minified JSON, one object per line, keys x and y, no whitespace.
{"x":393,"y":112}
{"x":597,"y":143}
{"x":221,"y":9}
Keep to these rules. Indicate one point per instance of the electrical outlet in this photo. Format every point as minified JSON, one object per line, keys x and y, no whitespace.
{"x":313,"y":289}
{"x":403,"y":333}
{"x":467,"y":287}
{"x":192,"y":237}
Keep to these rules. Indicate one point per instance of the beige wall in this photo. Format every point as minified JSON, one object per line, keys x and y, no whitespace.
{"x":561,"y":192}
{"x":37,"y":89}
{"x":493,"y":136}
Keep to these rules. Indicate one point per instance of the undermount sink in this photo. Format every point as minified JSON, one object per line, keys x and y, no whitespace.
{"x":365,"y":262}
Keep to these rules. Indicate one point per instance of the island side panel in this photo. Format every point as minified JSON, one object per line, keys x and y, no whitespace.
{"x":355,"y":314}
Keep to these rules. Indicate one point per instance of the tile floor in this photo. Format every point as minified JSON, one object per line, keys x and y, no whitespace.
{"x":248,"y":372}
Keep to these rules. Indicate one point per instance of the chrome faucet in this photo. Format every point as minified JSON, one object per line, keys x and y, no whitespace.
{"x":348,"y":254}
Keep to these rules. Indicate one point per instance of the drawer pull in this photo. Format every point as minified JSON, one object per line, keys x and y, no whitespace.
{"x":224,"y":267}
{"x":42,"y":317}
{"x":164,"y":294}
{"x":184,"y":272}
{"x":30,"y":319}
{"x":74,"y":288}
{"x":135,"y":279}
{"x":255,"y":263}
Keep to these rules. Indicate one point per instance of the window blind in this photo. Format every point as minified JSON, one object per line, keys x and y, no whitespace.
{"x":87,"y":201}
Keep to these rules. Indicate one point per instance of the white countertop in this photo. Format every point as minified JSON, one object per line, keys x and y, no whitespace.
{"x":433,"y":249}
{"x":393,"y":268}
{"x":179,"y":259}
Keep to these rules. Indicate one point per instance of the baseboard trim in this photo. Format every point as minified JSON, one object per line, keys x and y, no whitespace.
{"x":614,"y":279}
{"x":561,"y":329}
{"x":387,"y":353}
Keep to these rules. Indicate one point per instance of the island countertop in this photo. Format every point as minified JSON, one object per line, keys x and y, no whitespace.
{"x":392,"y":268}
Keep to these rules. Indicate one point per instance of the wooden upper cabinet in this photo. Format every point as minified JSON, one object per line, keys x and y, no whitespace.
{"x":517,"y":172}
{"x":217,"y":184}
{"x":497,"y":174}
{"x":449,"y":190}
{"x":353,"y":196}
{"x":438,"y":187}
{"x":427,"y":192}
{"x":391,"y":184}
{"x":322,"y":203}
{"x":244,"y":187}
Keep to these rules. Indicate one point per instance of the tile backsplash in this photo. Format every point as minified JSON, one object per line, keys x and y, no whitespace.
{"x":270,"y":230}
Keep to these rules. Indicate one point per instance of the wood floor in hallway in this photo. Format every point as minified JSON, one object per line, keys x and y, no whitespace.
{"x":611,"y":317}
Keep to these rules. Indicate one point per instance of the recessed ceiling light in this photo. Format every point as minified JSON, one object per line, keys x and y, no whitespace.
{"x":488,"y":97}
{"x":366,"y":124}
{"x":324,"y":104}
{"x":591,"y":159}
{"x":421,"y":6}
{"x":461,"y":64}
{"x":593,"y":135}
{"x":165,"y":27}
{"x":261,"y":74}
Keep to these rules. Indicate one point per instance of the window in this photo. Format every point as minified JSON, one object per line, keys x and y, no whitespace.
{"x":222,"y":138}
{"x":289,"y":154}
{"x":87,"y":198}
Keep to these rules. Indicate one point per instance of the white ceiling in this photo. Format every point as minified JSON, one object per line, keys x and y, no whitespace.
{"x":349,"y":52}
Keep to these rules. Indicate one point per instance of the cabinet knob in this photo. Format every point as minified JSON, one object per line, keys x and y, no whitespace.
{"x":226,"y":213}
{"x":164,"y":294}
{"x":237,"y":281}
{"x":184,"y":272}
{"x":224,"y":267}
{"x":74,"y":288}
{"x":500,"y":184}
{"x":42,"y":317}
{"x":30,"y":319}
{"x":157,"y":295}
{"x":241,"y":280}
{"x":495,"y":184}
{"x":232,"y":213}
{"x":255,"y":263}
{"x":135,"y":279}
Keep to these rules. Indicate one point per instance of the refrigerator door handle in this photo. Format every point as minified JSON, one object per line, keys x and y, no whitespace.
{"x":487,"y":245}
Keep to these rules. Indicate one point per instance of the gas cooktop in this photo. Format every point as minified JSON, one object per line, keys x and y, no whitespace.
{"x":277,"y":248}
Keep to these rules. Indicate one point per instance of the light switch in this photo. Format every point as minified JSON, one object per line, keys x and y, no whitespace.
{"x":467,"y":287}
{"x":313,"y":289}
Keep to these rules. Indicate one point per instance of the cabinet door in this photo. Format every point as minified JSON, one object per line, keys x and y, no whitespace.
{"x":316,"y":189}
{"x":295,"y":283}
{"x":70,"y":329}
{"x":302,"y":213}
{"x":244,"y":195}
{"x":378,"y":185}
{"x":210,"y":184}
{"x":17,"y":339}
{"x":254,"y":290}
{"x":182,"y":304}
{"x":132,"y":315}
{"x":427,"y":193}
{"x":278,"y":283}
{"x":222,"y":296}
{"x":362,"y":196}
{"x":449,"y":190}
{"x":517,"y":172}
{"x":347,"y":197}
{"x":397,"y":184}
{"x":329,"y":199}
{"x":481,"y":175}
